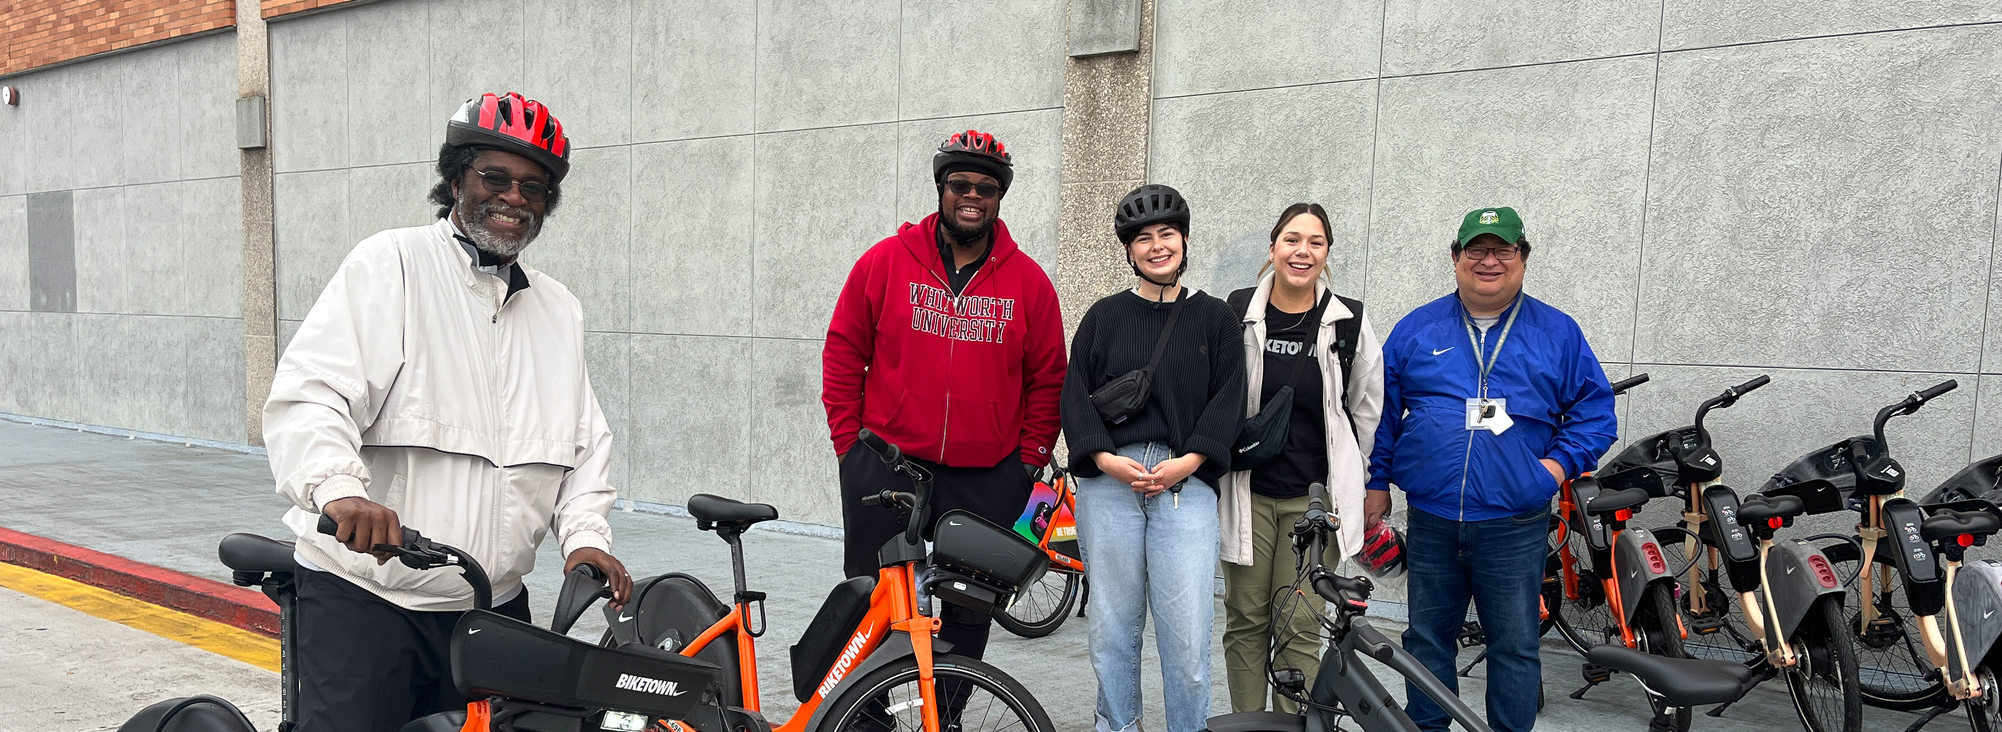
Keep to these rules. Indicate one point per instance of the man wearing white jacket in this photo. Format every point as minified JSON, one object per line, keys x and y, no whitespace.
{"x":438,"y":383}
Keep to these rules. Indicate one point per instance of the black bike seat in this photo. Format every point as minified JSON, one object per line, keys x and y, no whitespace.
{"x":719,"y":510}
{"x":1758,"y":507}
{"x":253,"y":553}
{"x":1683,"y":682}
{"x":1947,"y":524}
{"x":1616,"y":501}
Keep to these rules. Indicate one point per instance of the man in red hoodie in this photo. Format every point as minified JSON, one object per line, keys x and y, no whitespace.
{"x":948,"y":343}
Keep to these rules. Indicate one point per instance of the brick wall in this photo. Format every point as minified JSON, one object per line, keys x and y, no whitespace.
{"x":275,"y":8}
{"x":43,"y":32}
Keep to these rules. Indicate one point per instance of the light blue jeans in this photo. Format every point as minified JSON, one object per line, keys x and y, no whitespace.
{"x":1141,"y":552}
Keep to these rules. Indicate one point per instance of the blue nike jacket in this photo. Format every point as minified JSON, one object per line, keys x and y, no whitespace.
{"x":1557,"y":395}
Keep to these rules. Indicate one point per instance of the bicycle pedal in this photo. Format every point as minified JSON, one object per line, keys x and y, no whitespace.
{"x":1595,"y":675}
{"x":1706,"y":623}
{"x":1471,"y":635}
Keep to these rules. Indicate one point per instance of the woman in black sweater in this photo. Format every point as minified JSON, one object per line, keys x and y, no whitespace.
{"x":1146,"y":470}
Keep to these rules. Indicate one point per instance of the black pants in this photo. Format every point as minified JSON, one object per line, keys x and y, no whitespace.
{"x":366,"y":664}
{"x":995,"y":493}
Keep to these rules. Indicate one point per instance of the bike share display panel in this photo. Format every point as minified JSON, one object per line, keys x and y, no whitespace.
{"x":1043,"y":511}
{"x":497,"y":656}
{"x":976,"y":564}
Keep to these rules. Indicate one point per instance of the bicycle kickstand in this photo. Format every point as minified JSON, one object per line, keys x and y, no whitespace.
{"x":1595,"y":675}
{"x":1478,"y":658}
{"x":1932,"y":714}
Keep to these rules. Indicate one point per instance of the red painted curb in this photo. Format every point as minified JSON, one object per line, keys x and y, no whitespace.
{"x":227,"y":604}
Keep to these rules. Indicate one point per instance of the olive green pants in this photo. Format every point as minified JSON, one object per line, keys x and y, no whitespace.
{"x":1249,"y":604}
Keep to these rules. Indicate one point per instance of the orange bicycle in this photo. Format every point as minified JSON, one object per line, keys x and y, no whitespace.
{"x":1050,"y":520}
{"x":869,"y":660}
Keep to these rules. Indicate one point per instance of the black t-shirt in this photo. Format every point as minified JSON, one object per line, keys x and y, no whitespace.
{"x":1305,"y":460}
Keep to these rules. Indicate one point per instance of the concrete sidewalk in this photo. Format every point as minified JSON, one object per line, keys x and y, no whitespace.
{"x":166,"y":504}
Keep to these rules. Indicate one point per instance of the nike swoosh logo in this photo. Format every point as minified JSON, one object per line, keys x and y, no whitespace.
{"x":474,"y":630}
{"x":1789,"y":570}
{"x":1443,"y":350}
{"x":953,"y":523}
{"x":624,"y":618}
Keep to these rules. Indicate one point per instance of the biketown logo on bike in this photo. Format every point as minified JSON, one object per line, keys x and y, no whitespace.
{"x":983,"y":319}
{"x":630,"y":682}
{"x":847,"y":660}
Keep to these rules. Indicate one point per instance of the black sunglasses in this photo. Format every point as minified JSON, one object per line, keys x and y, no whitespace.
{"x":963,"y":187}
{"x":533,"y":191}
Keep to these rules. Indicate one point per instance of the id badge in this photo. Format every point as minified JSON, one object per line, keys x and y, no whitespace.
{"x":1488,"y":414}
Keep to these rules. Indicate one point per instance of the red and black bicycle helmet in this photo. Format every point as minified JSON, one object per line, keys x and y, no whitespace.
{"x":976,"y":151}
{"x":520,"y":126}
{"x":1382,"y":552}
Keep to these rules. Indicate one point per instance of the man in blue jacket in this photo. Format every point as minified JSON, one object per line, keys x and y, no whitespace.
{"x":1491,"y":400}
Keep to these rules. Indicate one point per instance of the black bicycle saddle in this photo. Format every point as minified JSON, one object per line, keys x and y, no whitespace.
{"x":1615,"y":501}
{"x":1758,"y":507}
{"x":253,"y":553}
{"x":708,"y":509}
{"x":1948,"y":523}
{"x":1683,"y":682}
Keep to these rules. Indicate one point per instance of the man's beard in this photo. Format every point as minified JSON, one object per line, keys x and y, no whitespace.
{"x":966,"y":236}
{"x":473,"y":218}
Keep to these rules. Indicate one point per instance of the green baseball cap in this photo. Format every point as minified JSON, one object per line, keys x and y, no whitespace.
{"x":1500,"y":221}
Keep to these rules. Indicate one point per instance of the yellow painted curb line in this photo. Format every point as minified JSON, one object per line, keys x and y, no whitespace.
{"x":174,"y":625}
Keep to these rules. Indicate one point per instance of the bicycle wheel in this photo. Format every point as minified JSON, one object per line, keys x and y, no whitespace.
{"x":1823,"y":681}
{"x":976,"y":695}
{"x":1984,"y":714}
{"x":1657,"y":632}
{"x":1890,"y":655}
{"x":1585,"y":616}
{"x":1730,"y":641}
{"x":1042,"y":607}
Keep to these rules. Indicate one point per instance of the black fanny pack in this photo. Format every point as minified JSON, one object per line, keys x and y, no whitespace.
{"x":1121,"y":398}
{"x":1263,"y":436}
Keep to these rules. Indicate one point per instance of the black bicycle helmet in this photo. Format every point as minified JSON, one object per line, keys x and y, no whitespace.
{"x":976,"y":151}
{"x":1148,"y":205}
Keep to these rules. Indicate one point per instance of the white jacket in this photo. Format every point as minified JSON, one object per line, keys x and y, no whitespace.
{"x":418,"y":383}
{"x":1360,"y":396}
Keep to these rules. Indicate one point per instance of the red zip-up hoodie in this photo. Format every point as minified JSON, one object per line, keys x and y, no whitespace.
{"x":959,"y":381}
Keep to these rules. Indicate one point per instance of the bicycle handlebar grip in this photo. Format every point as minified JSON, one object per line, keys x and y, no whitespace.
{"x":1317,"y":497}
{"x":1621,"y":386}
{"x":1755,"y":383}
{"x":873,"y":500}
{"x":1935,"y":390}
{"x":328,"y":525}
{"x":883,"y":449}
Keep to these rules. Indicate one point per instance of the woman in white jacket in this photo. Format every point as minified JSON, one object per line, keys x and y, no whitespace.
{"x":1334,"y":416}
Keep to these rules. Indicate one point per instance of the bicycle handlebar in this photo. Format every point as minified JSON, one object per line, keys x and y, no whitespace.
{"x":1724,"y":401}
{"x":1907,"y":406}
{"x":1621,"y":386}
{"x":893,"y":456}
{"x":417,"y":552}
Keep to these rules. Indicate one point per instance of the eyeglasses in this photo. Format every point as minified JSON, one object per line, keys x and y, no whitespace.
{"x":534,"y":191}
{"x":963,"y":187}
{"x":1501,"y":254}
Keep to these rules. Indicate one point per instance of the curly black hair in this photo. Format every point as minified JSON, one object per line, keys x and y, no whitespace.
{"x":453,"y":162}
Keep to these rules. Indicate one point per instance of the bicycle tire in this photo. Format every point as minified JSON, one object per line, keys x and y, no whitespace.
{"x":1733,"y":642}
{"x":1586,"y":619}
{"x":888,"y":699}
{"x":1657,"y":632}
{"x":1984,"y":714}
{"x":1041,"y":608}
{"x":1892,"y":666}
{"x":1823,"y":682}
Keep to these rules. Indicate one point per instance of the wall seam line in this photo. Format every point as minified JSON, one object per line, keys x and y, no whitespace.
{"x":1375,"y":135}
{"x":1647,"y":188}
{"x":1987,"y":316}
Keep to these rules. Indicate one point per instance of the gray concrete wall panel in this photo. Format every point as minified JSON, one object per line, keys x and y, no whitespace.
{"x":13,"y":253}
{"x":378,"y":198}
{"x":461,"y":68}
{"x":1221,"y":45}
{"x":391,"y":115}
{"x":609,"y":356}
{"x":1698,"y":23}
{"x":578,"y":61}
{"x":810,"y":77}
{"x":1034,"y":141}
{"x":1757,"y":174}
{"x":51,"y":252}
{"x":1231,"y":217}
{"x":102,"y":276}
{"x":97,"y":128}
{"x":691,"y":405}
{"x":39,"y":358}
{"x":14,"y":134}
{"x":310,"y":103}
{"x":948,"y":47}
{"x":1570,"y":155}
{"x":47,"y":150}
{"x":694,"y":68}
{"x":155,"y":234}
{"x":823,"y":197}
{"x":1424,"y":36}
{"x":1987,"y":415}
{"x":791,"y":460}
{"x":206,"y":68}
{"x":120,"y":357}
{"x":214,"y":372}
{"x":692,"y":236}
{"x":1803,"y":410}
{"x":211,"y":277}
{"x":585,"y":245}
{"x":1991,"y":356}
{"x":311,"y":236}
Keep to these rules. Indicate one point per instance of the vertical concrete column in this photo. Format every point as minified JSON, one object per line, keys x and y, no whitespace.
{"x":1108,"y":100}
{"x":260,"y":308}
